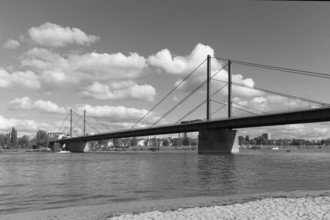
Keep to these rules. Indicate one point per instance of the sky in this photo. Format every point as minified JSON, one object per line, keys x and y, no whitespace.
{"x":118,"y":59}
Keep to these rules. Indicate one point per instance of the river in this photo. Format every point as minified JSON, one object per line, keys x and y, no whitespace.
{"x":35,"y":181}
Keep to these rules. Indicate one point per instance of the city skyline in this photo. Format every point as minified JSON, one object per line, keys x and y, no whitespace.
{"x":117,"y":59}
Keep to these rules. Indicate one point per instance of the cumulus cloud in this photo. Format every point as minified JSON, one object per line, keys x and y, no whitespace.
{"x":259,"y":100}
{"x":26,"y":79}
{"x":121,"y":90}
{"x":116,"y":114}
{"x":181,"y":64}
{"x":113,"y":112}
{"x":44,"y":59}
{"x":81,"y":70}
{"x":25,"y":103}
{"x":23,"y":125}
{"x":53,"y":35}
{"x":93,"y":74}
{"x":11,"y":44}
{"x":111,"y":66}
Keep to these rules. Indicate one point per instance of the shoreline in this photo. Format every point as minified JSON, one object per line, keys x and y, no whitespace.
{"x":173,"y":150}
{"x":168,"y":207}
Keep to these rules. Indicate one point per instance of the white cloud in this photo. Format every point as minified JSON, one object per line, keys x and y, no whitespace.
{"x":11,"y":44}
{"x":5,"y":79}
{"x":181,"y":64}
{"x":114,"y":114}
{"x":121,"y":90}
{"x":22,"y":79}
{"x":21,"y":125}
{"x":80,"y":70}
{"x":53,"y":35}
{"x":25,"y":103}
{"x":45,"y":59}
{"x":109,"y":66}
{"x":277,"y":98}
{"x":176,"y":99}
{"x":259,"y":100}
{"x":117,"y":113}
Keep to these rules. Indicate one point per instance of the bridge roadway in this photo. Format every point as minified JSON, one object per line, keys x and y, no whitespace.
{"x":294,"y":117}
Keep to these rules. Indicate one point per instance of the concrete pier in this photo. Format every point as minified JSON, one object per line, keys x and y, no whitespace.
{"x":215,"y":140}
{"x":77,"y":147}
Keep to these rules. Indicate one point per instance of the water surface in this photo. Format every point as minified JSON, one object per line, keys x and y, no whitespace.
{"x":34,"y":181}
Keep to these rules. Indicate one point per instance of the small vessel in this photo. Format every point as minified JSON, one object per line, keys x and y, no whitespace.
{"x":63,"y":152}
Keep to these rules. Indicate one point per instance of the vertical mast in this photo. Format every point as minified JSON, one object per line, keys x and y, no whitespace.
{"x":84,"y":123}
{"x":71,"y":123}
{"x":229,"y":89}
{"x":208,"y":88}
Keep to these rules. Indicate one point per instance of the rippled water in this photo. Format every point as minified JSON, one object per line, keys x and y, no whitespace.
{"x":34,"y":181}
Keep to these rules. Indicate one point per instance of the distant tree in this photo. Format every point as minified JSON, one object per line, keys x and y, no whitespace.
{"x":13,"y":137}
{"x":194,"y":142}
{"x":264,"y":140}
{"x":117,"y":142}
{"x":33,"y":141}
{"x":298,"y":142}
{"x":166,"y":142}
{"x":93,"y":145}
{"x":3,"y":140}
{"x":258,"y":140}
{"x":133,"y":141}
{"x":186,"y":141}
{"x":253,"y":142}
{"x":8,"y":140}
{"x":146,"y":143}
{"x":42,"y":138}
{"x":126,"y":142}
{"x":176,"y":141}
{"x":241,"y":140}
{"x":327,"y":141}
{"x":103,"y":142}
{"x":155,"y":142}
{"x":24,"y":141}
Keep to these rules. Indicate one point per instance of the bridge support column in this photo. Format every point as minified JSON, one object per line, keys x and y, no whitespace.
{"x":77,"y":147}
{"x":215,"y":140}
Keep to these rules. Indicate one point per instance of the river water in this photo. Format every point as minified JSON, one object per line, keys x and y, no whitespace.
{"x":34,"y":181}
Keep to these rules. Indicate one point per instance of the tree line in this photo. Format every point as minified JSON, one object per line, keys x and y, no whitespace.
{"x":151,"y":142}
{"x":12,"y":141}
{"x":263,"y":140}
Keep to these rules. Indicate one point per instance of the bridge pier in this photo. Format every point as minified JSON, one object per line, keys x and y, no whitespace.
{"x":77,"y":147}
{"x":216,"y":140}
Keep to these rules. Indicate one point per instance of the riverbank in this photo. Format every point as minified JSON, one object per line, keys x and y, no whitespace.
{"x":176,"y":149}
{"x":279,"y":205}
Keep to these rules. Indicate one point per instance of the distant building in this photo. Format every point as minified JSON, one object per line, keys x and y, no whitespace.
{"x":13,"y":137}
{"x":140,"y":143}
{"x":267,"y":136}
{"x":55,"y":135}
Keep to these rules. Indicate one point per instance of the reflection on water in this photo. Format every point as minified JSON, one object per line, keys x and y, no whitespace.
{"x":49,"y":180}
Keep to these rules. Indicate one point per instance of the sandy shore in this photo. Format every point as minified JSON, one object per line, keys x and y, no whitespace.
{"x":281,"y":205}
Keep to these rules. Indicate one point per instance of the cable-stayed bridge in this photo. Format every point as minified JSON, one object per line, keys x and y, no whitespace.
{"x":215,"y":135}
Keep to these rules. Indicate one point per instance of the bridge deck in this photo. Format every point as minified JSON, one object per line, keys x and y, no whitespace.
{"x":297,"y":117}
